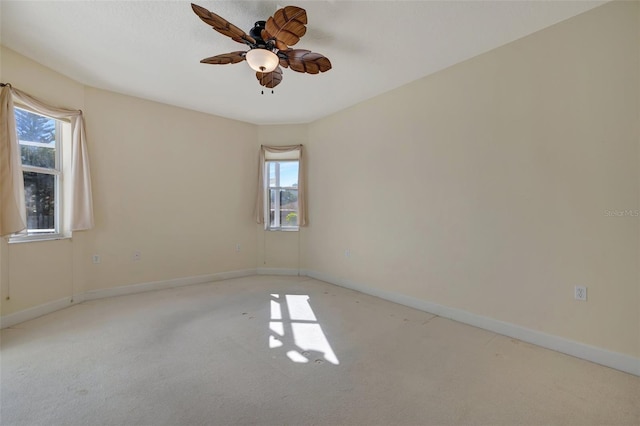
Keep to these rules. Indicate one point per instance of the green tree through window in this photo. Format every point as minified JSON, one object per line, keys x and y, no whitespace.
{"x":283,"y":194}
{"x":35,"y":128}
{"x":38,"y":137}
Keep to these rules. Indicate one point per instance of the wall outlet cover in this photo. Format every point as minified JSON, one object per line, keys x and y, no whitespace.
{"x":580,"y":293}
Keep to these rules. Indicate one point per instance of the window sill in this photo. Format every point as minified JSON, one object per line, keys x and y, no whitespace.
{"x":37,"y":238}
{"x":282,"y":229}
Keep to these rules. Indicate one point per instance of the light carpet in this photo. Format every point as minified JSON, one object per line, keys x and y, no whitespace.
{"x":270,"y":350}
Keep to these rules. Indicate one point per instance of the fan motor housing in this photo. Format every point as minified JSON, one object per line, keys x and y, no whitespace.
{"x":256,"y":33}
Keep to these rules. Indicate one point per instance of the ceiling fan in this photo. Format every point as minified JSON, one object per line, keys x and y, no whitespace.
{"x":269,"y":45}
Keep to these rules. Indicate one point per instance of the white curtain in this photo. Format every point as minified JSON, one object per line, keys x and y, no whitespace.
{"x":302,"y":196}
{"x":13,"y":217}
{"x":81,"y":199}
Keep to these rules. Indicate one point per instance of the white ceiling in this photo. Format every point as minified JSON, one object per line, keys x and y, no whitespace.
{"x":152,"y":49}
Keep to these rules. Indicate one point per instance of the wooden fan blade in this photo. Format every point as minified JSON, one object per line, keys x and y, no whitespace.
{"x":287,"y":25}
{"x":225,"y":58}
{"x":279,"y":44}
{"x":270,"y":79}
{"x":266,"y":36}
{"x":302,"y":60}
{"x":222,"y":26}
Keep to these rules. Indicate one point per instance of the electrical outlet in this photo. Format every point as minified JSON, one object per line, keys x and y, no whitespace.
{"x":96,"y":258}
{"x":580,"y":293}
{"x":238,"y":247}
{"x":137,"y":256}
{"x":347,"y":253}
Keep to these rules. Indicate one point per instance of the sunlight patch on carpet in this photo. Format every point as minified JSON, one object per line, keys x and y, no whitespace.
{"x":295,"y":327}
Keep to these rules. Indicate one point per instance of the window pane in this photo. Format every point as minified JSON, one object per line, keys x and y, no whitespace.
{"x":38,"y":156}
{"x":289,"y":207}
{"x":37,"y":135}
{"x":34,"y":127}
{"x":39,"y":194}
{"x":283,"y":194}
{"x":289,"y":174}
{"x":272,"y":174}
{"x":272,"y":207}
{"x":288,"y":218}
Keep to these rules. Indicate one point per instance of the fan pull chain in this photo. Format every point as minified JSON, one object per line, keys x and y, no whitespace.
{"x":262,"y":81}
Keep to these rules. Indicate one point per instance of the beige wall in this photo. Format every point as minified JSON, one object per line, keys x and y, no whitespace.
{"x":168,"y":182}
{"x":484,"y":187}
{"x":172,"y":184}
{"x":54,"y":277}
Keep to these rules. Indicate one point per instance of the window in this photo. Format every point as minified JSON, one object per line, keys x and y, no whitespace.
{"x":47,"y":153}
{"x":282,"y":195}
{"x":41,"y":139}
{"x":281,"y":201}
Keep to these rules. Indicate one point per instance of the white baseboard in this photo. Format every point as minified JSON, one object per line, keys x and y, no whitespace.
{"x":604,"y":357}
{"x":278,"y":271}
{"x":37,"y":311}
{"x":600,"y":356}
{"x":47,"y":308}
{"x":159,"y":285}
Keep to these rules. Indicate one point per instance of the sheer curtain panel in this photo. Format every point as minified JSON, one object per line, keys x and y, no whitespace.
{"x":81,"y":200}
{"x":13,"y":217}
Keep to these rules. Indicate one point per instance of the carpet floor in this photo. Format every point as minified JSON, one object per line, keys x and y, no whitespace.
{"x":271,"y":350}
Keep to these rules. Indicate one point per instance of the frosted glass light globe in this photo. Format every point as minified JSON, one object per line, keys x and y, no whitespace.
{"x":262,"y":60}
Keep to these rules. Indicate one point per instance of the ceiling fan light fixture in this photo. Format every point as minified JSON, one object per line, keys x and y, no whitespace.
{"x":268,"y":43}
{"x":262,"y":60}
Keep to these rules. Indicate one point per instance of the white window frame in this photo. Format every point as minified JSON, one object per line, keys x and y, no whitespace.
{"x":267,"y":209}
{"x":61,"y":135}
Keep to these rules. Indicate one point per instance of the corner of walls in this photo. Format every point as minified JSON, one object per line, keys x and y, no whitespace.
{"x":280,"y":250}
{"x":39,"y":81}
{"x":182,"y":197}
{"x":638,"y":169}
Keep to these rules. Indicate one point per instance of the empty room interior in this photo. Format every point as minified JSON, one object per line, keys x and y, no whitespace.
{"x":426,"y":214}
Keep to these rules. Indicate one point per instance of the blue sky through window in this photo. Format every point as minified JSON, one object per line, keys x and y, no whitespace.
{"x":289,"y":173}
